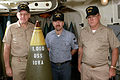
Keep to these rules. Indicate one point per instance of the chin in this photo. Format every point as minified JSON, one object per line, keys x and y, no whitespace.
{"x":92,"y":24}
{"x":22,"y":22}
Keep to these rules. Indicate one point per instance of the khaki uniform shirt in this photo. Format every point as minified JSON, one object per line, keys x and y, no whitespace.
{"x":18,"y":38}
{"x":96,"y":45}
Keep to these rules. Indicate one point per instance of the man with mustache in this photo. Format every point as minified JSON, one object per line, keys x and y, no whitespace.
{"x":62,"y":45}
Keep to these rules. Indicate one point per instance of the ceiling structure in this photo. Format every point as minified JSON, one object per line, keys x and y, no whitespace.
{"x":41,"y":6}
{"x":10,"y":6}
{"x":89,"y":1}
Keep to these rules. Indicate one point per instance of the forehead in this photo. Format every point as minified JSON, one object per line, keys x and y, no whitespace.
{"x":94,"y":15}
{"x":23,"y":11}
{"x":58,"y":21}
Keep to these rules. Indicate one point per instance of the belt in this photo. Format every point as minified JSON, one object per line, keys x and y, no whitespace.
{"x":59,"y":64}
{"x":21,"y":58}
{"x":94,"y":66}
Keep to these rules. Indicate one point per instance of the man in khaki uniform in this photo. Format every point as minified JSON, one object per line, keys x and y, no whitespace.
{"x":94,"y":43}
{"x":16,"y":42}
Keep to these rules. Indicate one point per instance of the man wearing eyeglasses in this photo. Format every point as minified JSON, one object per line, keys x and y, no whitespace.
{"x":16,"y":42}
{"x":94,"y":43}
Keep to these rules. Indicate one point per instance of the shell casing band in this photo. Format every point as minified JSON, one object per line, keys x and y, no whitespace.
{"x":38,"y":38}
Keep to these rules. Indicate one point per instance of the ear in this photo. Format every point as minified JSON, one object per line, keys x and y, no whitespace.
{"x":63,"y":23}
{"x":29,"y":15}
{"x":99,"y":16}
{"x":17,"y":14}
{"x":52,"y":22}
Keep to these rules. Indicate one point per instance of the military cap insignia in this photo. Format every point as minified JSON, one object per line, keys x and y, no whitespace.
{"x":89,"y":9}
{"x":57,"y":14}
{"x":23,"y":6}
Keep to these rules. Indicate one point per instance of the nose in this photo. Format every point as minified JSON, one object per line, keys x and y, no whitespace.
{"x":57,"y":22}
{"x":91,"y":18}
{"x":23,"y":15}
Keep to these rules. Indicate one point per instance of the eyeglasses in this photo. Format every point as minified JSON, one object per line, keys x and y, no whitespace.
{"x":23,"y":14}
{"x":92,"y":16}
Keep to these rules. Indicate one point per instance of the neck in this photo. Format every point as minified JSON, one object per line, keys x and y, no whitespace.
{"x":59,"y":32}
{"x":24,"y":25}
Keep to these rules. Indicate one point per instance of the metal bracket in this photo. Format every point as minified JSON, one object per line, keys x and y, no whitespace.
{"x":36,"y":6}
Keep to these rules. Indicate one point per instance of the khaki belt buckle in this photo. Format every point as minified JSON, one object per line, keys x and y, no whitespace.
{"x":59,"y":64}
{"x":20,"y":58}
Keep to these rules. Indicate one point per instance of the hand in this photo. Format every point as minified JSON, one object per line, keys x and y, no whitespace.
{"x":112,"y":72}
{"x":79,"y":67}
{"x":9,"y":71}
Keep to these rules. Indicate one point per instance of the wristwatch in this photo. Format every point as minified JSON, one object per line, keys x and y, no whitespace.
{"x":113,"y":67}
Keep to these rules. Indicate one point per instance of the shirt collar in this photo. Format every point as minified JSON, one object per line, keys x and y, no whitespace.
{"x":20,"y":25}
{"x":62,"y":34}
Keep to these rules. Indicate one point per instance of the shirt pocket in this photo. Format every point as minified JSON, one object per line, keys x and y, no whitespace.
{"x":60,"y":44}
{"x":102,"y":41}
{"x":66,"y":45}
{"x":18,"y":38}
{"x":86,"y":40}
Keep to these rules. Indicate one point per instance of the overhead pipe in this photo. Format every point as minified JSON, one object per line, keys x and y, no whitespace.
{"x":104,"y":2}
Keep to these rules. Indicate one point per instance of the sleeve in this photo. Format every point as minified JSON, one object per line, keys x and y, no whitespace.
{"x":74,"y":42}
{"x":8,"y":35}
{"x":113,"y":40}
{"x":80,"y":40}
{"x":47,"y":41}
